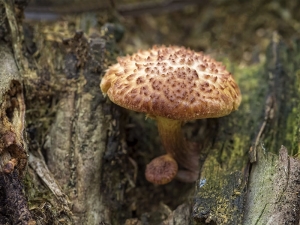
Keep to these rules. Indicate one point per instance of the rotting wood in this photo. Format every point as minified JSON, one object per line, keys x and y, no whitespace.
{"x":13,"y":151}
{"x":12,"y":110}
{"x":77,"y":65}
{"x":56,"y":112}
{"x":78,"y":128}
{"x":273,"y":192}
{"x":13,"y":147}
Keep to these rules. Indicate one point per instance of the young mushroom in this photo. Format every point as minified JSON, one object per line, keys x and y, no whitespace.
{"x":172,"y":85}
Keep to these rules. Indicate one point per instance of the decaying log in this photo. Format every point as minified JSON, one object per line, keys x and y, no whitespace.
{"x":86,"y":156}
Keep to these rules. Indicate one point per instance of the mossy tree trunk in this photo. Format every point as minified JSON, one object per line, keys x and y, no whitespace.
{"x":85,"y":156}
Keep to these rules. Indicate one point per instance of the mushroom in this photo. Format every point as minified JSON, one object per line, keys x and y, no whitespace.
{"x":172,"y":85}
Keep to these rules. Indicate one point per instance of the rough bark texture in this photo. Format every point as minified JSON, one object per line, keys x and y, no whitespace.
{"x":13,"y":148}
{"x":273,"y":196}
{"x":78,"y":132}
{"x":86,"y":157}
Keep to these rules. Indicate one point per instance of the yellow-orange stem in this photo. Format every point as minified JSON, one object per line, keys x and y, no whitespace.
{"x":177,"y":146}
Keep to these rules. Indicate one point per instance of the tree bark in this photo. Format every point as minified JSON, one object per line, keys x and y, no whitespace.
{"x":81,"y":159}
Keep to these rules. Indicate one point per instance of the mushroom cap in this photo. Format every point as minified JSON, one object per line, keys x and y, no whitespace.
{"x":172,"y":82}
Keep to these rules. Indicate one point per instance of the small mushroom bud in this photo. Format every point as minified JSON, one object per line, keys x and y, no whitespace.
{"x":161,"y":170}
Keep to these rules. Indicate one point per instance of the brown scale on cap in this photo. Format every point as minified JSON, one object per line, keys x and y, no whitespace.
{"x":184,"y":84}
{"x":172,"y":85}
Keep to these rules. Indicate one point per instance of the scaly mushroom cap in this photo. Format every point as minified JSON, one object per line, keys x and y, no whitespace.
{"x":172,"y":82}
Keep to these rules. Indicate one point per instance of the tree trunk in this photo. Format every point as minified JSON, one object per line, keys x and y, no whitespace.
{"x":86,"y":157}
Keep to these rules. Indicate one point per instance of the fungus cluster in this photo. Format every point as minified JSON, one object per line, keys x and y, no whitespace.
{"x":172,"y":85}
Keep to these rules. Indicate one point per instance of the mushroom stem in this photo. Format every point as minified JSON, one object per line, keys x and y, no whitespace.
{"x":175,"y":144}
